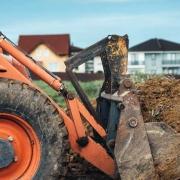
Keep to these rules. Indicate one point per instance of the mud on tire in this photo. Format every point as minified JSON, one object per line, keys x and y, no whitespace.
{"x":36,"y":108}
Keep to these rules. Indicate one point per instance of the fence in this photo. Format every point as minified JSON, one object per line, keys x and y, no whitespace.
{"x":81,"y":76}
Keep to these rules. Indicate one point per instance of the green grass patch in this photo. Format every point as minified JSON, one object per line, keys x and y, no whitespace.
{"x":90,"y":88}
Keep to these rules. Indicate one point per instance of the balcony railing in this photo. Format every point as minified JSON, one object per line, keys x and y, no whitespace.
{"x":172,"y":62}
{"x":136,"y":63}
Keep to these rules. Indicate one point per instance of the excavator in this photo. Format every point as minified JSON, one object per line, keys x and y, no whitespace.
{"x":35,"y":132}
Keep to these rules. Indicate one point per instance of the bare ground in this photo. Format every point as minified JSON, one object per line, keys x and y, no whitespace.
{"x":160,"y":100}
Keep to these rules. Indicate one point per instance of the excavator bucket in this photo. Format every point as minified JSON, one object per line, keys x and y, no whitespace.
{"x":132,"y":149}
{"x":144,"y":150}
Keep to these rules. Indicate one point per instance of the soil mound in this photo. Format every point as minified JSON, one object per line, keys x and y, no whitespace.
{"x":160,"y":100}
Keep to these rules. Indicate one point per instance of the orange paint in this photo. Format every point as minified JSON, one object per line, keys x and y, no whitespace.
{"x":11,"y":72}
{"x":85,"y":113}
{"x":92,"y":152}
{"x":26,"y":148}
{"x":23,"y":59}
{"x":75,"y":115}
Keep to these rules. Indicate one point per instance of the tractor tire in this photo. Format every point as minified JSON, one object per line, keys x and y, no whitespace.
{"x":37,"y":113}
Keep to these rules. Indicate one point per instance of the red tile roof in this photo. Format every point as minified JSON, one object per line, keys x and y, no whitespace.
{"x":60,"y":43}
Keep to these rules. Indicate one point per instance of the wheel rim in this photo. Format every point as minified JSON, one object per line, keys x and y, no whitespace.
{"x":25,"y":144}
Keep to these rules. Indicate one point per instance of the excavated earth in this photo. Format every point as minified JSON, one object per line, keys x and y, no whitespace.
{"x":160,"y":101}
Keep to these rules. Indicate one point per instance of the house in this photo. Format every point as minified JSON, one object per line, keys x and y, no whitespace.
{"x":49,"y":50}
{"x":155,"y":56}
{"x":91,"y":66}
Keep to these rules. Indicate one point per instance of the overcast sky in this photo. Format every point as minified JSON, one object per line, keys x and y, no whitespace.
{"x":87,"y":21}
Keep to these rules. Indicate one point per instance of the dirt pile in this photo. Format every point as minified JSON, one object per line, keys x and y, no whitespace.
{"x":160,"y":100}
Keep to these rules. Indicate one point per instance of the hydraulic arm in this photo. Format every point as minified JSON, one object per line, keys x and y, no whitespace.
{"x":111,"y":49}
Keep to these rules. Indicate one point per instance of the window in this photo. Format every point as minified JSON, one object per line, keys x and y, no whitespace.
{"x":134,"y":59}
{"x":46,"y":53}
{"x":89,"y":66}
{"x":153,"y":56}
{"x":38,"y":54}
{"x":153,"y":62}
{"x":53,"y":67}
{"x":171,"y":70}
{"x":171,"y":56}
{"x":168,"y":56}
{"x":174,"y":62}
{"x":134,"y":62}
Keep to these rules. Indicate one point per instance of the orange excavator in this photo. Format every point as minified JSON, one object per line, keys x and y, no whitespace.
{"x":35,"y":132}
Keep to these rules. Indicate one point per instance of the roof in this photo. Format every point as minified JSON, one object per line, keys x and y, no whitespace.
{"x":59,"y":43}
{"x":75,"y":49}
{"x":156,"y":45}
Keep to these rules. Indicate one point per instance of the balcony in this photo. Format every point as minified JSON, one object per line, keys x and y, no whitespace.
{"x":171,"y":62}
{"x":136,"y":62}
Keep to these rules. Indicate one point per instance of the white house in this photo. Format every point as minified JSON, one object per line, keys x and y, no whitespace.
{"x":155,"y":56}
{"x":91,"y":66}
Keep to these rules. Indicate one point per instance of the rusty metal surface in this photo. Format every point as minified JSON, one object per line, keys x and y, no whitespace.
{"x":132,"y":150}
{"x":165,"y":148}
{"x":114,"y":60}
{"x":86,"y":54}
